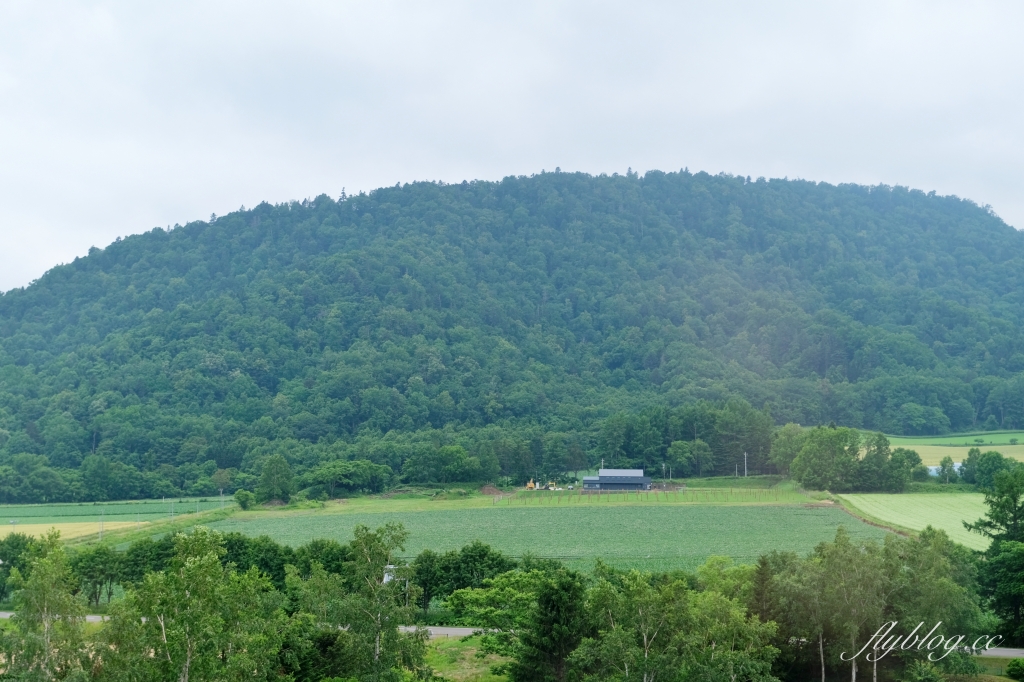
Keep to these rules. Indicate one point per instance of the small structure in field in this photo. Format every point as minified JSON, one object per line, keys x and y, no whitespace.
{"x":617,"y":479}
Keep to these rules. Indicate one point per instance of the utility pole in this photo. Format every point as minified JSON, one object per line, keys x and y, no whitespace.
{"x":744,"y":465}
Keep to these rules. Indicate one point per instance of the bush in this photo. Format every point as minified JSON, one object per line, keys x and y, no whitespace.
{"x":1015,"y":669}
{"x":922,"y":671}
{"x":244,"y":498}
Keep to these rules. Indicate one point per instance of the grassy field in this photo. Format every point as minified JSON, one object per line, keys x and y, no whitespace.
{"x":642,"y":533}
{"x":915,"y":512}
{"x":68,"y":530}
{"x":933,"y":448}
{"x":457,"y":660}
{"x":80,"y":520}
{"x":135,"y":510}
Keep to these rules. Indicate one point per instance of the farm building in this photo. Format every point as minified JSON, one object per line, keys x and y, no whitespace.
{"x":617,"y":479}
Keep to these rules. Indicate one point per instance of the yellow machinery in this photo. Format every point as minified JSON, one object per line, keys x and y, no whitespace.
{"x":531,"y":485}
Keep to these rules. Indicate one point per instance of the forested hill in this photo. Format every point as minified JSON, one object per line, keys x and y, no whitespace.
{"x":504,"y":311}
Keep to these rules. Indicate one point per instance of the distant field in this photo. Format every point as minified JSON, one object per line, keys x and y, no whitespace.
{"x":959,"y":439}
{"x":943,"y":511}
{"x":649,"y":536}
{"x":933,"y":448}
{"x":110,"y":512}
{"x":67,"y":530}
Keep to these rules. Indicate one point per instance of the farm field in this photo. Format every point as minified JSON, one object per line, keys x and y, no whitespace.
{"x":933,"y":448}
{"x":646,"y":536}
{"x":989,"y":438}
{"x":67,"y":530}
{"x":943,"y":511}
{"x":75,"y":520}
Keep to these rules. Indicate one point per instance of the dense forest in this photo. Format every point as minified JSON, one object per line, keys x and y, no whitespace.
{"x":511,"y":328}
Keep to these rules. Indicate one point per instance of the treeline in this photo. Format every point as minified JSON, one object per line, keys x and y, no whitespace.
{"x":702,"y":438}
{"x":698,"y":439}
{"x":489,"y":315}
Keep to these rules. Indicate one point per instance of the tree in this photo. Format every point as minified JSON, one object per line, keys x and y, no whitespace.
{"x":276,"y":481}
{"x":635,"y":622}
{"x":502,"y":608}
{"x":471,"y":566}
{"x":786,"y":445}
{"x":679,"y":457}
{"x":198,"y":620}
{"x":557,"y":625}
{"x":801,"y":590}
{"x":46,"y":640}
{"x":15,"y":552}
{"x":1004,"y":520}
{"x":429,"y":576}
{"x":854,"y":588}
{"x":96,"y":568}
{"x":383,"y":598}
{"x":576,"y":459}
{"x":718,"y":641}
{"x":339,"y":475}
{"x":899,"y":470}
{"x":1002,"y":579}
{"x":828,"y":459}
{"x":702,"y":457}
{"x":875,"y":468}
{"x":947,"y":470}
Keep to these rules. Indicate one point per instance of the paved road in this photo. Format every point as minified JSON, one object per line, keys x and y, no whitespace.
{"x":88,"y":619}
{"x":442,"y":632}
{"x":1000,"y":652}
{"x":447,"y":632}
{"x":435,"y":632}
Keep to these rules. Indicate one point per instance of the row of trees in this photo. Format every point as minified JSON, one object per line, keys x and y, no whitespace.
{"x":200,"y":617}
{"x":700,"y":439}
{"x":838,"y":459}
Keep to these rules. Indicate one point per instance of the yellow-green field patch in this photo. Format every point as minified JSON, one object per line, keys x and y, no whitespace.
{"x":67,"y":530}
{"x":915,"y":512}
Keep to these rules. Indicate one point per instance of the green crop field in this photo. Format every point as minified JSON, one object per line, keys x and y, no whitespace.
{"x":915,"y":512}
{"x":649,"y":536}
{"x":114,"y":512}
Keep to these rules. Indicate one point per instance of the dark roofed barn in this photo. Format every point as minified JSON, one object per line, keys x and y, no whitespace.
{"x":617,"y":479}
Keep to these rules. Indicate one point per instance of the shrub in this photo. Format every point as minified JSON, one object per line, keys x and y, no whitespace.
{"x":1015,"y":669}
{"x":244,"y":498}
{"x":922,"y":671}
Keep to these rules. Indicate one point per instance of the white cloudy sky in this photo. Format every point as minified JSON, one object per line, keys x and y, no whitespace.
{"x":116,"y":117}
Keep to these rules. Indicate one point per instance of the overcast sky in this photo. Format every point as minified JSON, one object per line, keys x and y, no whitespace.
{"x":117,"y":117}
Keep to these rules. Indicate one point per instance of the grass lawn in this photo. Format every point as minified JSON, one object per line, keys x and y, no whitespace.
{"x":642,"y":533}
{"x":915,"y":512}
{"x":456,"y":660}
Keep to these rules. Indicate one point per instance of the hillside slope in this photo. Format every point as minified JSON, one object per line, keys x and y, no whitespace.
{"x":529,"y":305}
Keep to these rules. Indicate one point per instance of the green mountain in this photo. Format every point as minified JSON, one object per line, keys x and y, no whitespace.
{"x":493,"y":314}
